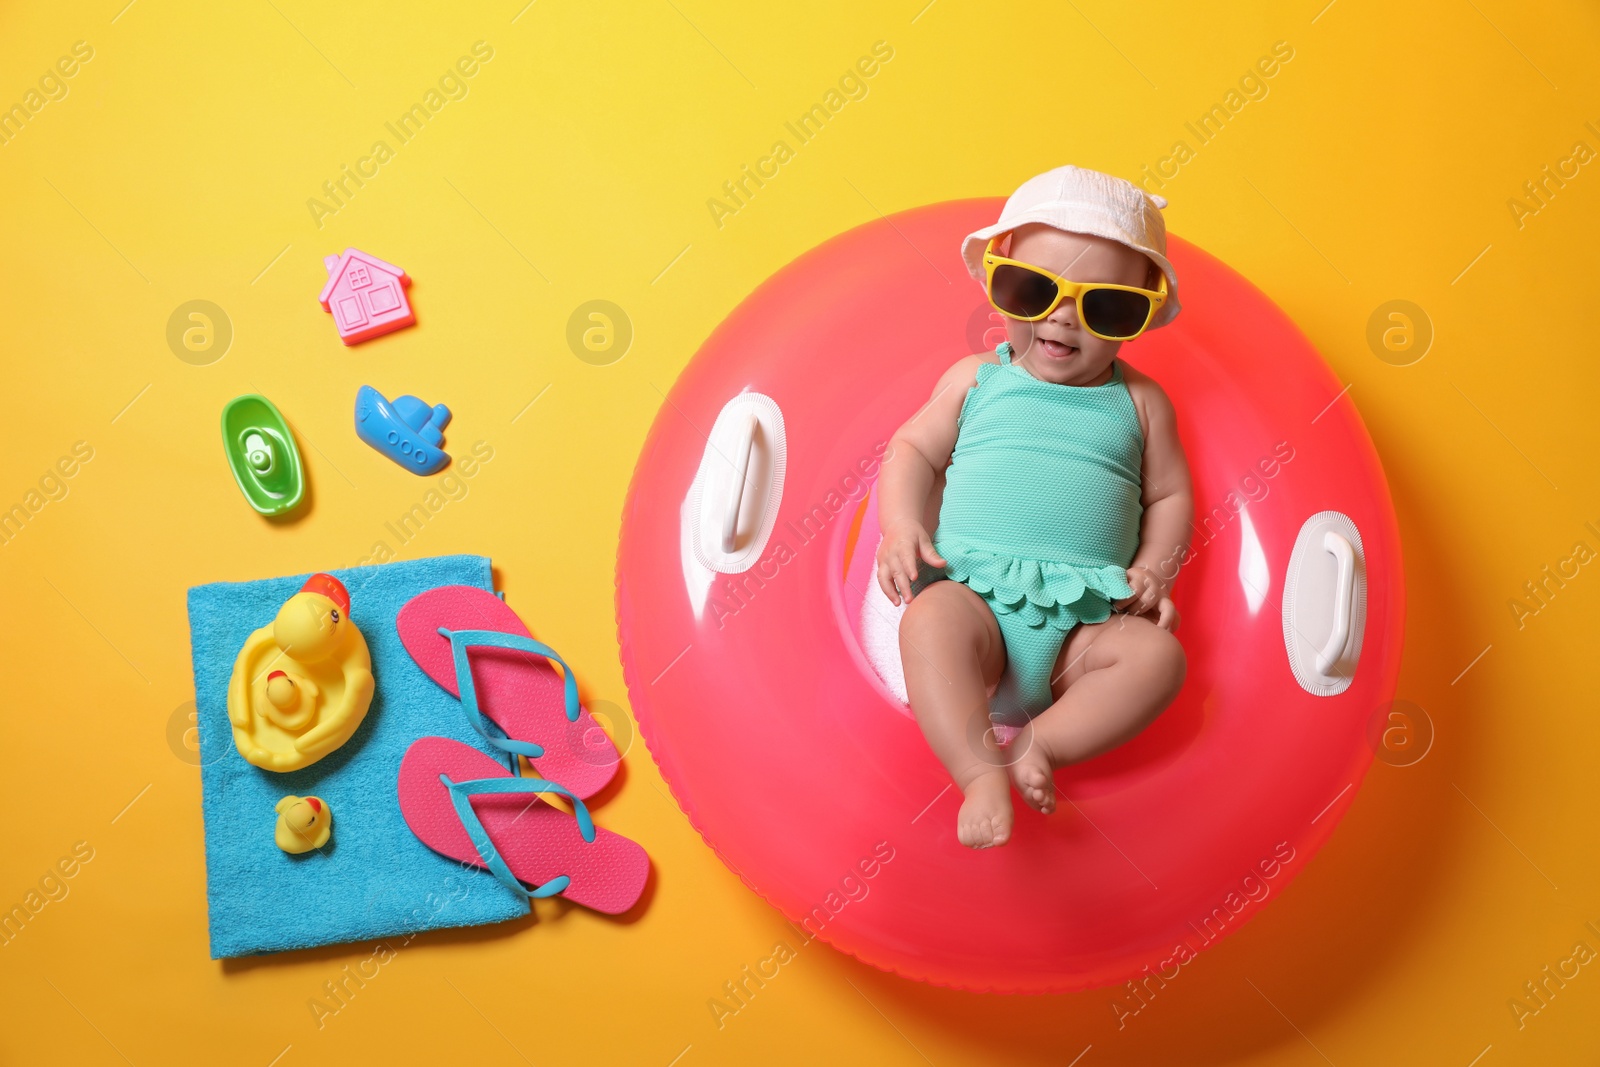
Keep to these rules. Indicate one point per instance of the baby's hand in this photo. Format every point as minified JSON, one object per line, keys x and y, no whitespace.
{"x":897,"y":560}
{"x":1148,"y":592}
{"x":1164,"y":614}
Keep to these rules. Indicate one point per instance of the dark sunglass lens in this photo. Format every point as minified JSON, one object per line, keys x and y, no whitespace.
{"x":1115,"y":312}
{"x":1020,"y":292}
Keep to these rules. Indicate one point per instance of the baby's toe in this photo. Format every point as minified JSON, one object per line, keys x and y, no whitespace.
{"x":1036,"y":785}
{"x":983,"y":830}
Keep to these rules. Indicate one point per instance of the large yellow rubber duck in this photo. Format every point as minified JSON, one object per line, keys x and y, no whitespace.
{"x":302,"y":685}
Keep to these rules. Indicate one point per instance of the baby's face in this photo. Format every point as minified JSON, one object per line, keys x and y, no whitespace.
{"x":1057,"y":348}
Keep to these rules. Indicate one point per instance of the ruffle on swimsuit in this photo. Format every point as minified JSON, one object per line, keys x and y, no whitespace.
{"x":1039,"y":592}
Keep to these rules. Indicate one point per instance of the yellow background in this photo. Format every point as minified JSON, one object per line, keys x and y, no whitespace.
{"x":1378,"y":167}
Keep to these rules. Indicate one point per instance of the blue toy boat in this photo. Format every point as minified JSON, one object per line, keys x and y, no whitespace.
{"x":406,"y":430}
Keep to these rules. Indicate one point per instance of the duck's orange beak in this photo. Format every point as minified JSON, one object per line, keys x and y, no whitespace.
{"x":316,"y":805}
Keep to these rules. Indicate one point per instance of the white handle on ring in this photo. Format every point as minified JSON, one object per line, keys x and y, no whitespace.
{"x":730,"y":519}
{"x":1343,"y":596}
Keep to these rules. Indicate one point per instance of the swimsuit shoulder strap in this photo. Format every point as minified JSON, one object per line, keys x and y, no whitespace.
{"x":1003,"y":350}
{"x":1129,"y":409}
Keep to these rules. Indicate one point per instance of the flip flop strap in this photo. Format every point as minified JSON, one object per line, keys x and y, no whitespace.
{"x":460,"y":796}
{"x":460,"y":641}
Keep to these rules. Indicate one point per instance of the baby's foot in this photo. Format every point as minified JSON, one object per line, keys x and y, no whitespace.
{"x":985,"y":818}
{"x":1033,"y":774}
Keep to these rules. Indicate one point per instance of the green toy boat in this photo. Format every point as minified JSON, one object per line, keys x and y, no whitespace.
{"x":262,"y":454}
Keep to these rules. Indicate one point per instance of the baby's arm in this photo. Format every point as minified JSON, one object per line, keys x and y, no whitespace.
{"x":1168,"y":500}
{"x":917,"y":452}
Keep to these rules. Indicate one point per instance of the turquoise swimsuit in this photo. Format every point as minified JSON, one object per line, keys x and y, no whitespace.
{"x":1041,"y":512}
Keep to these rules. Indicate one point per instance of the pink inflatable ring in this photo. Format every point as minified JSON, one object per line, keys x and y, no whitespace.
{"x":745,"y":561}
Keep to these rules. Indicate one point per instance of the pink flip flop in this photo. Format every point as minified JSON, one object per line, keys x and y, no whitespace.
{"x":511,"y":693}
{"x":462,"y":804}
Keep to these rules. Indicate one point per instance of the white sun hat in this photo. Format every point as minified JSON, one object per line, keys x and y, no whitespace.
{"x":1079,"y":200}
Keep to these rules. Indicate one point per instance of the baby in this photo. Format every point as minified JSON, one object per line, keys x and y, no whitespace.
{"x":1066,"y":504}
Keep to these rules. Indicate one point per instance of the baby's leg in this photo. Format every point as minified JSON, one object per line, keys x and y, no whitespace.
{"x":1112,"y":679}
{"x":951,"y":649}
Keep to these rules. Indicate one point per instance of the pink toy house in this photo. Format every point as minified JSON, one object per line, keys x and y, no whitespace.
{"x":366,"y":296}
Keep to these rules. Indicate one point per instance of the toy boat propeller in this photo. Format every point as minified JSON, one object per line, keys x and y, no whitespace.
{"x":406,"y":430}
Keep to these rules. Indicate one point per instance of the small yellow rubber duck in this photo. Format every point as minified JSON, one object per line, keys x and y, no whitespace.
{"x":302,"y":685}
{"x":304,"y":823}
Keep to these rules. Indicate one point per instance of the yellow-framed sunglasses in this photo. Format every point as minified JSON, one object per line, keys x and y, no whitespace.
{"x":1111,"y":312}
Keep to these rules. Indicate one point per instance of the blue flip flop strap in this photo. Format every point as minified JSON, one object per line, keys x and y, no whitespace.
{"x":460,"y":641}
{"x":460,"y":796}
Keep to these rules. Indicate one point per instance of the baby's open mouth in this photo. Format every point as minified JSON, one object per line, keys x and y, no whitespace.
{"x":1055,"y":349}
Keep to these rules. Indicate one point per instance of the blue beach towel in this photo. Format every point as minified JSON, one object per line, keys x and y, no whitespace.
{"x":374,"y":879}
